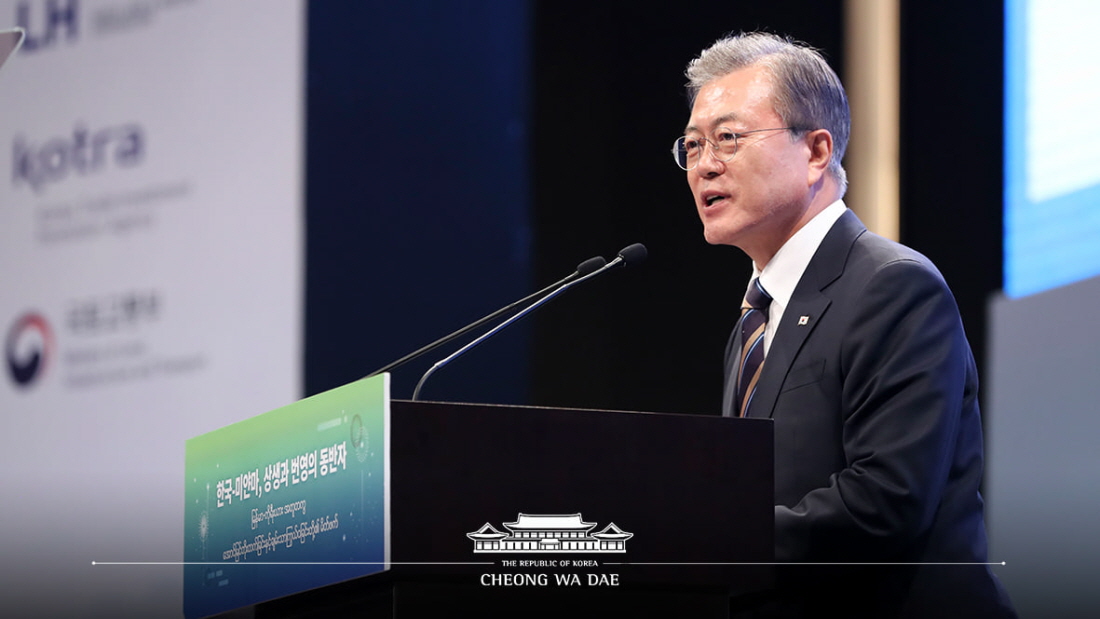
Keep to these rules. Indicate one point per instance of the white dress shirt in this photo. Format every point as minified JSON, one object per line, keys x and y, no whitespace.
{"x":780,"y":277}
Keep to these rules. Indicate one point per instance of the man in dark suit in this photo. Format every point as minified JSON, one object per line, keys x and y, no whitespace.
{"x":853,"y":346}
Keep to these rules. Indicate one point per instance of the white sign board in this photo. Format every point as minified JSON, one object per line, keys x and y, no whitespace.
{"x":150,"y":277}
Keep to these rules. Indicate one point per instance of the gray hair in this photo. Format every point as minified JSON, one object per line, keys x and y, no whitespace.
{"x":808,"y":94}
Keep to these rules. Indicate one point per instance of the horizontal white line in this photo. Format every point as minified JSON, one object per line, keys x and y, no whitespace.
{"x":229,"y":563}
{"x":809,"y":563}
{"x":748,"y":563}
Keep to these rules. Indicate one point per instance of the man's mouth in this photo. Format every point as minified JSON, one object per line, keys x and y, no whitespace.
{"x":713,"y":199}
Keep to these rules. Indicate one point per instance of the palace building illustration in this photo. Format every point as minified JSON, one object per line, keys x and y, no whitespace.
{"x":532,"y":533}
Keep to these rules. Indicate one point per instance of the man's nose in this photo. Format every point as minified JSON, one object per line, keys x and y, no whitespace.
{"x":709,"y":165}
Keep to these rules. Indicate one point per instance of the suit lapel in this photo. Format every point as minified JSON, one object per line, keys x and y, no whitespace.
{"x":800,"y":318}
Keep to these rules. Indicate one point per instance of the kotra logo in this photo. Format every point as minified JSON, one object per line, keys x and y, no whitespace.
{"x":85,"y":152}
{"x":28,"y":349}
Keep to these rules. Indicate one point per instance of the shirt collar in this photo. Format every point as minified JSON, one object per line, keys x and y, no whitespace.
{"x":781,"y":274}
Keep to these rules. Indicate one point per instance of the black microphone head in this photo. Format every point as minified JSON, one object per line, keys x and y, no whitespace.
{"x":591,"y":265}
{"x":633,"y":254}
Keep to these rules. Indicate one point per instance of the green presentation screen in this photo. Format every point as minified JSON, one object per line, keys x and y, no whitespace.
{"x":293,"y":499}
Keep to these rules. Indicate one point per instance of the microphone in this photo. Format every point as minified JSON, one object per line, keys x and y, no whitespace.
{"x":584,"y":269}
{"x":630,"y":255}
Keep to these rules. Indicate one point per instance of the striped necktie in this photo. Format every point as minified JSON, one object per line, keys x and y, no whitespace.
{"x":754,"y":317}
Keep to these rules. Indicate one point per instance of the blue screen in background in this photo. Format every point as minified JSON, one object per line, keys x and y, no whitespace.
{"x":1052,"y":163}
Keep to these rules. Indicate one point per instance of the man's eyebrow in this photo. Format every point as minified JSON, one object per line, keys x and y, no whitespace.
{"x":721,"y":120}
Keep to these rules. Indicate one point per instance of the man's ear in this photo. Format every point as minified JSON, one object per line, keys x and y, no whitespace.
{"x":820,"y":142}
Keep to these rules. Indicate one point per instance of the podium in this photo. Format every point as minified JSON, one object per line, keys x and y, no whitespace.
{"x":525,"y":511}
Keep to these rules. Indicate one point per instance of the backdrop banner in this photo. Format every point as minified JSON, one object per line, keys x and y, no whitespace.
{"x":150,"y":277}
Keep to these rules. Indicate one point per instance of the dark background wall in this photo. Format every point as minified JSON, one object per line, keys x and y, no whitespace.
{"x":417,"y":190}
{"x":460,"y":157}
{"x":952,"y":85}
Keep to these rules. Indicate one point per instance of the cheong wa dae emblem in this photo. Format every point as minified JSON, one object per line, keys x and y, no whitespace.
{"x":547,"y":533}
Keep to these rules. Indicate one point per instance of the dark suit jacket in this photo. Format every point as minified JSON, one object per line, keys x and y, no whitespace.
{"x":878,"y":439}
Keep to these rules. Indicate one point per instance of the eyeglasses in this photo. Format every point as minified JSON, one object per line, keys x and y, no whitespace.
{"x":687,"y":151}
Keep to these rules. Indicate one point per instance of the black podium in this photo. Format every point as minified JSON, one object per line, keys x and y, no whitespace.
{"x":688,"y":499}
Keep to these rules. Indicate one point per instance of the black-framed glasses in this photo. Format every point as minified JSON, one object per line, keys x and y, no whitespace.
{"x":688,"y":150}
